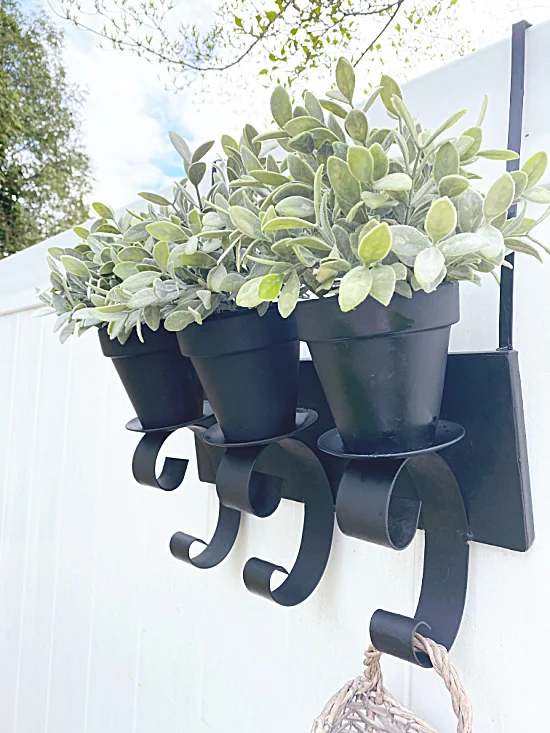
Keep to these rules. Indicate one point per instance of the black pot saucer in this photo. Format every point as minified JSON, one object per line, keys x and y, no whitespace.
{"x":214,"y":436}
{"x":136,"y":427}
{"x":447,"y":434}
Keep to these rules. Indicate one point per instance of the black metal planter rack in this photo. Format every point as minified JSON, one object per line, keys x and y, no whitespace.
{"x":471,"y":484}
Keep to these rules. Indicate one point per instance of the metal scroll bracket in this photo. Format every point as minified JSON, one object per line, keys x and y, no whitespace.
{"x":171,"y":477}
{"x":254,"y":479}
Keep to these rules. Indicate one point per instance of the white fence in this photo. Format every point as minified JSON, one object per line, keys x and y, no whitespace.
{"x":102,"y":631}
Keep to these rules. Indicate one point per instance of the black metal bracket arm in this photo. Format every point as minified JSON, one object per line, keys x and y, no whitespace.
{"x":254,"y":480}
{"x":171,"y":477}
{"x":382,"y":501}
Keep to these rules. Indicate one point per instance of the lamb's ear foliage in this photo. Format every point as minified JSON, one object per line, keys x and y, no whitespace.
{"x":322,"y":204}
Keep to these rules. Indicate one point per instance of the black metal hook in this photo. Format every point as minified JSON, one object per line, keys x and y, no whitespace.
{"x":254,"y":480}
{"x":227,"y":527}
{"x":382,"y":501}
{"x":145,"y":459}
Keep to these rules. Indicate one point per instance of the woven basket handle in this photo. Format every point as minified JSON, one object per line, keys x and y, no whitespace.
{"x":441,"y":662}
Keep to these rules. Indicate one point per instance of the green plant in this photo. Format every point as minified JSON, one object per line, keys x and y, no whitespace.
{"x":178,"y":262}
{"x":363,"y":211}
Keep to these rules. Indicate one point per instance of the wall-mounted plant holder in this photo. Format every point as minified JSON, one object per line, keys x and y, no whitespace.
{"x":251,"y":476}
{"x":394,"y":464}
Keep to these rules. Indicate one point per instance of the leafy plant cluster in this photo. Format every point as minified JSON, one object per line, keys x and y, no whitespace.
{"x":324,"y":204}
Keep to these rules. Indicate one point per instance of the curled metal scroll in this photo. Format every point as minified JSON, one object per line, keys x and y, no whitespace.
{"x":225,"y":534}
{"x":254,"y":480}
{"x":382,"y":501}
{"x":145,"y":459}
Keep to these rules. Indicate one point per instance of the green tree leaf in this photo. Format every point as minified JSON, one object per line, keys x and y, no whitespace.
{"x":535,"y":168}
{"x":248,"y":296}
{"x":75,"y":266}
{"x":342,"y":180}
{"x":383,"y":283}
{"x":390,"y":88}
{"x":166,"y":230}
{"x":161,"y":253}
{"x":289,"y":295}
{"x":360,"y":163}
{"x":447,"y":162}
{"x":270,"y":287}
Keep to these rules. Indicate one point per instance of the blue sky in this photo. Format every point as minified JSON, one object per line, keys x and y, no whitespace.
{"x":128,"y":113}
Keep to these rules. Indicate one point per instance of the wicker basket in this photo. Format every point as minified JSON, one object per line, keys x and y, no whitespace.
{"x":363,"y":705}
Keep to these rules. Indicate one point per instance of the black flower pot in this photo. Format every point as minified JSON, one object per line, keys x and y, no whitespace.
{"x":161,"y":383}
{"x":382,"y":368}
{"x":248,"y":367}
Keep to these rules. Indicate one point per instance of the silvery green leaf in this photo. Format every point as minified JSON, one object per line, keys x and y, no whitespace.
{"x":535,"y":167}
{"x":248,"y":296}
{"x":383,"y":282}
{"x":520,"y":182}
{"x":476,"y":133}
{"x":246,"y":221}
{"x":307,"y":258}
{"x":447,"y":162}
{"x":339,"y":136}
{"x":345,"y":78}
{"x":205,"y":297}
{"x":403,"y":288}
{"x":402,"y":111}
{"x":407,"y":243}
{"x":201,"y":151}
{"x":499,"y":197}
{"x":463,"y":244}
{"x":470,"y":210}
{"x":359,"y":206}
{"x":300,"y":170}
{"x":196,"y":172}
{"x":161,"y":253}
{"x":453,"y":185}
{"x":374,"y":200}
{"x":342,"y":180}
{"x":356,"y":125}
{"x":302,"y":143}
{"x":281,"y":106}
{"x":143,"y":298}
{"x":495,"y":242}
{"x":269,"y":178}
{"x":372,"y":99}
{"x":537,"y":195}
{"x":375,"y":244}
{"x":151,"y":316}
{"x":360,"y":163}
{"x":181,"y":146}
{"x":215,"y":277}
{"x":313,"y":106}
{"x":380,"y":161}
{"x":198,"y":259}
{"x":139,"y":281}
{"x":286,"y":222}
{"x":429,"y":269}
{"x":296,"y":206}
{"x":289,"y":295}
{"x":400,"y":270}
{"x":178,"y":320}
{"x":155,"y":198}
{"x":136,"y":233}
{"x":102,"y":210}
{"x":441,"y":219}
{"x":231,"y":282}
{"x":394,"y":182}
{"x":498,"y":154}
{"x":250,"y":161}
{"x":132,"y":254}
{"x":355,"y":286}
{"x":390,"y":89}
{"x":518,"y":245}
{"x":334,"y":108}
{"x":75,"y":266}
{"x":463,"y":144}
{"x":166,"y":230}
{"x":449,"y":122}
{"x":298,"y":125}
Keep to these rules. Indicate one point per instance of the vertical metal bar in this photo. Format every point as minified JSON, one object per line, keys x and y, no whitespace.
{"x":517,"y":86}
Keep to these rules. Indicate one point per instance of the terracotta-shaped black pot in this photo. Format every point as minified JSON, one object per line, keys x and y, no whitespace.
{"x":248,"y":366}
{"x":160,"y":382}
{"x":382,"y":368}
